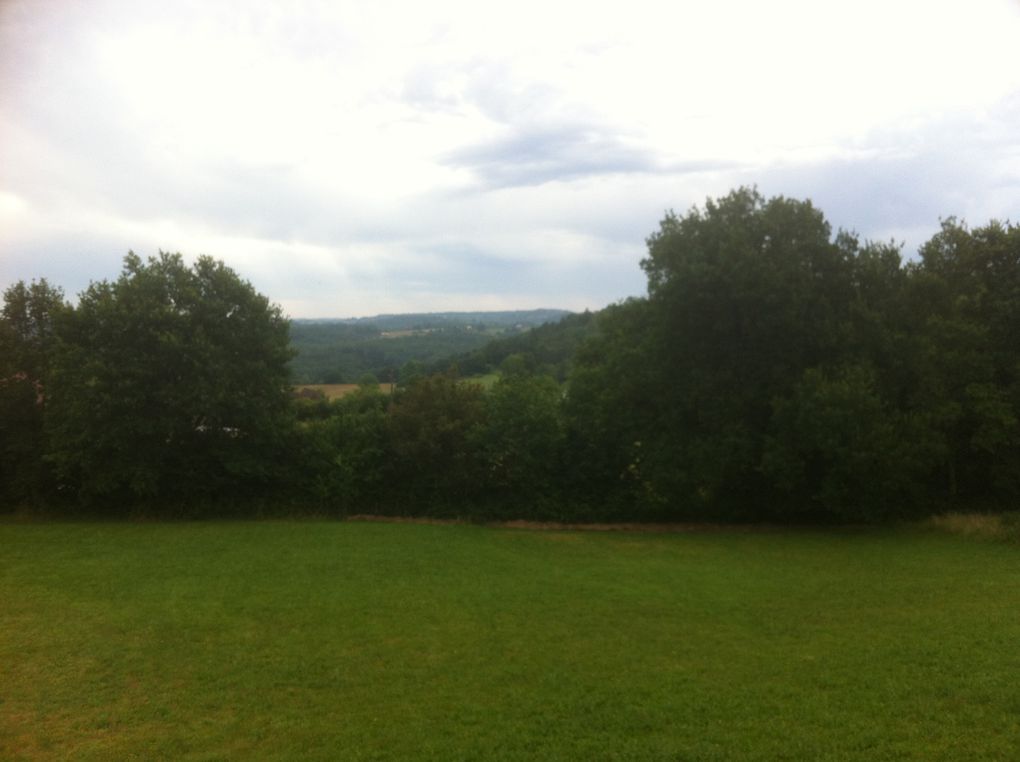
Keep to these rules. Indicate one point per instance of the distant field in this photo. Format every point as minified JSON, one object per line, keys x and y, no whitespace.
{"x":358,"y":641}
{"x":336,"y":391}
{"x":345,"y":350}
{"x":487,"y":380}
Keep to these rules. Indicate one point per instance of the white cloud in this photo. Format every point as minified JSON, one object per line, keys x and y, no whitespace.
{"x":388,"y":156}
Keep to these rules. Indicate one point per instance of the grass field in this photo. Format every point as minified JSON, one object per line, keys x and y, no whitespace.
{"x":319,"y":640}
{"x":486,"y":381}
{"x":336,"y":391}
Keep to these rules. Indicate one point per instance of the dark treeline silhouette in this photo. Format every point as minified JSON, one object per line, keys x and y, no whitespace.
{"x":775,"y":371}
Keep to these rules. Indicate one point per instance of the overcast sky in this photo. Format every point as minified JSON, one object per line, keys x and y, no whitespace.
{"x":355,"y":158}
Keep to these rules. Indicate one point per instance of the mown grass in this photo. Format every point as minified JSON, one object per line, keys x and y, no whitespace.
{"x":319,"y":640}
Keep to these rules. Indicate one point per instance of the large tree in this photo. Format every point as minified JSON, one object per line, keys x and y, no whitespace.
{"x":521,"y":441}
{"x":433,"y":429}
{"x":169,"y":383}
{"x":966,"y":289}
{"x":26,"y":339}
{"x":746,"y":295}
{"x":700,"y":399}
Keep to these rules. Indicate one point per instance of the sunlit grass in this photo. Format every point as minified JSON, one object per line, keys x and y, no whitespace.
{"x":485,"y":380}
{"x":318,"y":640}
{"x":337,"y":391}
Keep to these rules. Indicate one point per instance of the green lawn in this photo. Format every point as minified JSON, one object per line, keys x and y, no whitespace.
{"x":320,"y":640}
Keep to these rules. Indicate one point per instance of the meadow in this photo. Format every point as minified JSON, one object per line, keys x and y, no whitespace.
{"x":386,"y":641}
{"x":338,"y":391}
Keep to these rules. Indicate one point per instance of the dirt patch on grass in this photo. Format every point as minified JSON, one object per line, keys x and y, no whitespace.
{"x":628,"y":526}
{"x":401,"y":519}
{"x":993,"y":525}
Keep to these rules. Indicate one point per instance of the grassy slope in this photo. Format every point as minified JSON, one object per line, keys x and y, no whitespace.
{"x":385,"y":641}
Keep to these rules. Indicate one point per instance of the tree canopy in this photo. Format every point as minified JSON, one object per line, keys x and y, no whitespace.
{"x":169,"y":381}
{"x":776,"y":370}
{"x":27,"y":326}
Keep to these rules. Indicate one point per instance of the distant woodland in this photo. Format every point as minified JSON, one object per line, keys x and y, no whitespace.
{"x":345,"y":351}
{"x":776,"y":370}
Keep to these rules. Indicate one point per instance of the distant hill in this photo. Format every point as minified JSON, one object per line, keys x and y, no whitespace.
{"x":343,"y":350}
{"x":547,"y":348}
{"x":413,"y":320}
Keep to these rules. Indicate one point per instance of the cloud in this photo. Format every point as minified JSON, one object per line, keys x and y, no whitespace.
{"x":538,"y":155}
{"x":351,"y":157}
{"x":899,"y":181}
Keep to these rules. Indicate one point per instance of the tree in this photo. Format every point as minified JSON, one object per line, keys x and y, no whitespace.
{"x":742,"y":297}
{"x":967,"y":291}
{"x":763,"y":376}
{"x":521,"y":441}
{"x":170,"y":383}
{"x":346,"y":453}
{"x":433,"y":426}
{"x":28,"y":317}
{"x":26,"y":341}
{"x":612,"y":410}
{"x":838,"y":450}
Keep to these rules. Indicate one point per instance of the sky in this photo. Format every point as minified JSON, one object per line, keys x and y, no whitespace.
{"x":358,"y":158}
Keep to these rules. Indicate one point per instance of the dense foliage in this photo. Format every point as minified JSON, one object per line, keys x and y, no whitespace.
{"x":547,"y":349}
{"x":775,"y":371}
{"x":27,"y":334}
{"x":169,"y":383}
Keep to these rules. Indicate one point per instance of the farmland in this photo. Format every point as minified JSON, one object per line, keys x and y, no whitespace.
{"x":337,"y":391}
{"x":326,"y":640}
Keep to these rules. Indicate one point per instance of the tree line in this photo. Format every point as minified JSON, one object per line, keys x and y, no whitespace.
{"x":774,"y":371}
